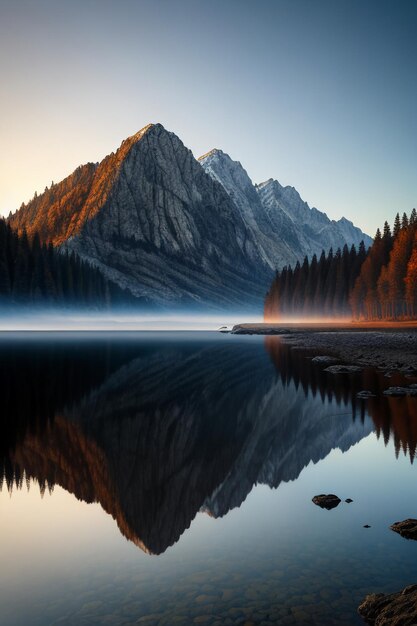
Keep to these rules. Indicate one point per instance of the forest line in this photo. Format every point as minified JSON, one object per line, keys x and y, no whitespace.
{"x":371,"y":285}
{"x":36,"y":273}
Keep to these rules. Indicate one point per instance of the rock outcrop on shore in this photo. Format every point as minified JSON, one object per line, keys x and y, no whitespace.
{"x":393,"y":349}
{"x":394,"y":609}
{"x":407,"y":528}
{"x":246,"y":329}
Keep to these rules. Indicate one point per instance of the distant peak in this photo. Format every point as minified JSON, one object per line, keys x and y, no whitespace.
{"x":210,"y":153}
{"x":265,"y":183}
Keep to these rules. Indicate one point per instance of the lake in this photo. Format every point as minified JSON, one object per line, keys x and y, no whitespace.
{"x":167,"y":478}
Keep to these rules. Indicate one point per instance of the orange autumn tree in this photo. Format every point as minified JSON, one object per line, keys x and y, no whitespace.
{"x":379,"y":284}
{"x":397,"y":271}
{"x":411,"y":282}
{"x":381,"y":291}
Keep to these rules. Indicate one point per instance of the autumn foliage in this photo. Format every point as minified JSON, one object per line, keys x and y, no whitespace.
{"x":380,"y":284}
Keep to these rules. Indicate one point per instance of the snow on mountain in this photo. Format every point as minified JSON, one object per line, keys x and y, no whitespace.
{"x":287,"y":228}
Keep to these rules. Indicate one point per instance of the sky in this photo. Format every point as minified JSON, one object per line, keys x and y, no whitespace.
{"x":321,"y":95}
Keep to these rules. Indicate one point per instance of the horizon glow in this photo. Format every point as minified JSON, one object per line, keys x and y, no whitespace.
{"x":320,"y":96}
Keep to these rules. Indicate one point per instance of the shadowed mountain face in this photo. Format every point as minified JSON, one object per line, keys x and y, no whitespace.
{"x":157,"y":432}
{"x":173,"y":231}
{"x":284,"y":226}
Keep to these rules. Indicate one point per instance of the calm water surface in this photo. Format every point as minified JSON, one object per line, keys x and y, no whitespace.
{"x":166,"y":478}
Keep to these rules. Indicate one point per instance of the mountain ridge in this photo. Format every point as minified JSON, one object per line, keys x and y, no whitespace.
{"x":308,"y":230}
{"x":170,"y":228}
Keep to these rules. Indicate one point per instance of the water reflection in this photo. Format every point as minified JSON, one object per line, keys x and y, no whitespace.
{"x":156,"y":431}
{"x":393,"y":417}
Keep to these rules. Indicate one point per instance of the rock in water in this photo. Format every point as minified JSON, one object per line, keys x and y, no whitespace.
{"x":324,"y":359}
{"x":400,"y":391}
{"x":329,"y":501}
{"x":343,"y":369}
{"x":364,"y":395}
{"x":395,"y":609}
{"x":407,"y":528}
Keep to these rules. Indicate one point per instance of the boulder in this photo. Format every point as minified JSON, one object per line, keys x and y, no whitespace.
{"x":400,"y":391}
{"x":363,"y":395}
{"x":324,"y":359}
{"x":394,"y":609}
{"x":329,"y":501}
{"x":343,"y":369}
{"x":407,"y":528}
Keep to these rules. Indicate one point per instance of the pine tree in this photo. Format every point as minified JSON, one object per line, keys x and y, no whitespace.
{"x":35,"y":273}
{"x":411,"y":281}
{"x":5,"y":281}
{"x":36,"y":270}
{"x":397,"y":270}
{"x":21,"y":282}
{"x":397,"y":225}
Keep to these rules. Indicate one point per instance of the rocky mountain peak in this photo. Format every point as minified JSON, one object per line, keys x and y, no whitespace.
{"x":220,"y":166}
{"x":137,"y":136}
{"x":264,"y":184}
{"x":211,"y":153}
{"x":176,"y":230}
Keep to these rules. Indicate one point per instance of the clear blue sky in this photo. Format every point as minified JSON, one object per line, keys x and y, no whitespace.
{"x":320,"y":94}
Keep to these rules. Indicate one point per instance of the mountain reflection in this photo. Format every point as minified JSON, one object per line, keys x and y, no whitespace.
{"x":156,"y":431}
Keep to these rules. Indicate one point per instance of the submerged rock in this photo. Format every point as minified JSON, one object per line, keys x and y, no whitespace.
{"x":324,"y":359}
{"x":394,"y":609}
{"x":400,"y":391}
{"x":348,"y":500}
{"x":329,"y":501}
{"x":407,"y":528}
{"x":363,"y":395}
{"x":343,"y":369}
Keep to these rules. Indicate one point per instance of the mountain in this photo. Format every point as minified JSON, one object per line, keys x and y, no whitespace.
{"x":154,"y":222}
{"x":175,"y":231}
{"x":286,"y":228}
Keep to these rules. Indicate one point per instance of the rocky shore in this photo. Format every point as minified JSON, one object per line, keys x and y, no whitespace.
{"x":391,"y":347}
{"x":394,"y":609}
{"x":346,"y":348}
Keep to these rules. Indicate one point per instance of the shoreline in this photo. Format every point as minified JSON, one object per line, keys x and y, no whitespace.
{"x":386,"y":346}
